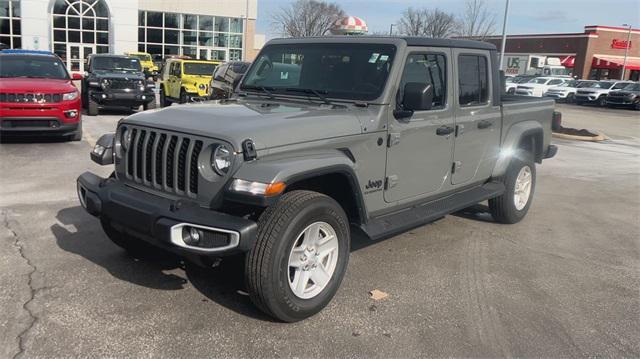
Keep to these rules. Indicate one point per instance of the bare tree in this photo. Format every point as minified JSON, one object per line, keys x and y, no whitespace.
{"x":412,"y":22}
{"x":440,"y":24}
{"x":476,"y":21}
{"x":307,"y":18}
{"x":424,"y":22}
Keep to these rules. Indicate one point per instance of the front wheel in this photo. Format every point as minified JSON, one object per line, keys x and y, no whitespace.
{"x":300,"y":256}
{"x":184,"y":97}
{"x":570,"y":98}
{"x":602,"y":101}
{"x":520,"y":183}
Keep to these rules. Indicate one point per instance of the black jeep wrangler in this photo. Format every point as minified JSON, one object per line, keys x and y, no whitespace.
{"x":118,"y":81}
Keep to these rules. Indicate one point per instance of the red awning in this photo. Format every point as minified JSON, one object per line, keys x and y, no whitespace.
{"x":568,"y":61}
{"x":605,"y":62}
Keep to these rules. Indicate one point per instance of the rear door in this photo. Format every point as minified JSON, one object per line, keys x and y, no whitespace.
{"x":478,"y":121}
{"x":419,"y":152}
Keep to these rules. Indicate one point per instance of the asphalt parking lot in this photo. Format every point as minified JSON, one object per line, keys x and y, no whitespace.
{"x":564,"y":282}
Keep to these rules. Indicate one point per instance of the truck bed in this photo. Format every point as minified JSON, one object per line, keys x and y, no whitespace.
{"x":516,"y":109}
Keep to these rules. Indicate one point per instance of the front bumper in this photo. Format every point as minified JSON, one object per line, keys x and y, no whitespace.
{"x":42,"y":126}
{"x":621,"y":101}
{"x":153,"y":219}
{"x":557,"y":95}
{"x":586,"y":98}
{"x":123,"y":98}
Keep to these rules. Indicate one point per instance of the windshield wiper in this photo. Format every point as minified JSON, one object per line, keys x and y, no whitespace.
{"x":319,"y":93}
{"x":266,"y":90}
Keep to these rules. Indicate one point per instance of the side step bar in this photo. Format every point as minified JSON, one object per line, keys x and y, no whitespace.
{"x":398,"y":222}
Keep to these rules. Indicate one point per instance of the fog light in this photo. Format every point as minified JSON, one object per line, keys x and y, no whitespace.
{"x":191,"y":235}
{"x":71,"y":113}
{"x":144,"y":97}
{"x":104,"y":96}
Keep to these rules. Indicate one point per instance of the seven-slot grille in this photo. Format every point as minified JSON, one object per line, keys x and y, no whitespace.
{"x":122,"y":84}
{"x":30,"y":97}
{"x":164,"y":161}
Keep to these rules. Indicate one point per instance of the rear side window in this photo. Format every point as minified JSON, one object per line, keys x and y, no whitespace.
{"x":428,"y":69}
{"x":473,"y":80}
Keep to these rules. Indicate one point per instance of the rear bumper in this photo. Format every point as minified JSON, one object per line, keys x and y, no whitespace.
{"x":154,"y":219}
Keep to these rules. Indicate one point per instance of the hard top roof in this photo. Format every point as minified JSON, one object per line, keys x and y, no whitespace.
{"x":26,"y":52}
{"x":409,"y":40}
{"x":110,"y":55}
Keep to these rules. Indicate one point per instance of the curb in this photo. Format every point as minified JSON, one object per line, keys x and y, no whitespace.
{"x":563,"y":136}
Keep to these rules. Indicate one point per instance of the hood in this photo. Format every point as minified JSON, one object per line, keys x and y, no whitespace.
{"x":268,"y":126}
{"x":561,"y":88}
{"x":24,"y":85}
{"x":112,"y":74}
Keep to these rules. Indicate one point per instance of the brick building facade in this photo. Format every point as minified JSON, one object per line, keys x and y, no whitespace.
{"x":596,"y":53}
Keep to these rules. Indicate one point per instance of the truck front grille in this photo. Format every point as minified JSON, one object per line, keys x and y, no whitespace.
{"x":122,"y":84}
{"x":164,"y":161}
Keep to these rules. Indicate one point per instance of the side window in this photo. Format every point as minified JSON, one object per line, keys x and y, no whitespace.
{"x":178,"y":69}
{"x":555,"y":82}
{"x":473,"y":80}
{"x":219,"y":73}
{"x":427,"y":69}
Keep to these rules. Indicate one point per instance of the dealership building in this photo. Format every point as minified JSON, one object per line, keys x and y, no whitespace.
{"x":73,"y":29}
{"x":597,"y":53}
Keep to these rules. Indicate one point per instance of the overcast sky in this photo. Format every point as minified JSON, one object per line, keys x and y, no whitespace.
{"x":525,"y":16}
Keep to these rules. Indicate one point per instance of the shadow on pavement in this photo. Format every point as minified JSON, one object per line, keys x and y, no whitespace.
{"x":8,"y":138}
{"x":220,"y":284}
{"x":478,"y":212}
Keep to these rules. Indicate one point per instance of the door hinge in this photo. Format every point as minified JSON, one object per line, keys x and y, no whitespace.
{"x":394,"y":139}
{"x":390,"y":182}
{"x":455,"y":166}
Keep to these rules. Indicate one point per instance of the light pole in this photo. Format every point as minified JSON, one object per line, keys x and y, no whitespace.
{"x":244,"y":33}
{"x":626,"y":51}
{"x":504,"y":34}
{"x":391,"y":30}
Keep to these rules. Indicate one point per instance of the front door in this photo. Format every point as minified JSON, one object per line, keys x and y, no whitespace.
{"x":77,"y":56}
{"x":478,"y":121}
{"x":420,"y":146}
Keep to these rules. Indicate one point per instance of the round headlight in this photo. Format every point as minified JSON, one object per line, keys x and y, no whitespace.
{"x":126,"y":138}
{"x":221,"y":160}
{"x":105,"y":83}
{"x":202,"y":86}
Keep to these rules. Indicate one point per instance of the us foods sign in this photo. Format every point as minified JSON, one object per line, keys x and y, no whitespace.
{"x":620,"y":44}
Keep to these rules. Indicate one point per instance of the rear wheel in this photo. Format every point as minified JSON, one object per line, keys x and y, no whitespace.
{"x":184,"y":97}
{"x":520,"y":183}
{"x":300,"y":256}
{"x":570,"y":98}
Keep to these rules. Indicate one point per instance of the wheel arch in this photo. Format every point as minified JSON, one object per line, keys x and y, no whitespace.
{"x":331,"y":173}
{"x":526,"y":135}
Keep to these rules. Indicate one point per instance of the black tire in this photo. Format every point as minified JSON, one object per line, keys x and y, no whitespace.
{"x":184,"y":97}
{"x":149,"y":105}
{"x":132,"y":245}
{"x":164,"y":102}
{"x":77,"y":135}
{"x":266,"y":268}
{"x":636,"y":106}
{"x":601,"y":101}
{"x":570,"y":98}
{"x":503,"y":208}
{"x":92,"y":106}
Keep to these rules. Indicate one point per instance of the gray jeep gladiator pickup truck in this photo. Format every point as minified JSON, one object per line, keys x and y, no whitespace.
{"x":324,"y":136}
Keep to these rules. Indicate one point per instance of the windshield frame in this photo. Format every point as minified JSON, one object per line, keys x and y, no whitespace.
{"x":97,"y":58}
{"x":186,"y":63}
{"x":65,"y":72}
{"x":335,"y":96}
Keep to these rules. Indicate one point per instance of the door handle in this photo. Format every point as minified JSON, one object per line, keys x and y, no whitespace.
{"x":444,"y":130}
{"x":484,"y":124}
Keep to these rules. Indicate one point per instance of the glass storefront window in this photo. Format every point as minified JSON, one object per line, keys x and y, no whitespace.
{"x":205,"y":23}
{"x":236,"y":25}
{"x":235,"y":55}
{"x":187,"y":34}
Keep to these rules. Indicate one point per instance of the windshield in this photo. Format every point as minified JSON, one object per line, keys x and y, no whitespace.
{"x":632,"y":87}
{"x":572,"y":83}
{"x":48,"y":67}
{"x":521,"y":80}
{"x":510,"y":80}
{"x":115,"y":63}
{"x":345,"y":71}
{"x":141,"y":57}
{"x":620,"y":86}
{"x":197,"y":68}
{"x":583,"y":84}
{"x":539,"y":81}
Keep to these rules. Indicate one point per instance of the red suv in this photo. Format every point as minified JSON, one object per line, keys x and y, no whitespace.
{"x":37,"y":96}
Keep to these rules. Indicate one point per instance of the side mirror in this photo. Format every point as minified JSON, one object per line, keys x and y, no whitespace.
{"x":76,"y":76}
{"x":102,"y":152}
{"x":417,"y":96}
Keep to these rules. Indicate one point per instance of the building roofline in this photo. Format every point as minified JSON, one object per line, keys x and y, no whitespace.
{"x":611,"y":28}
